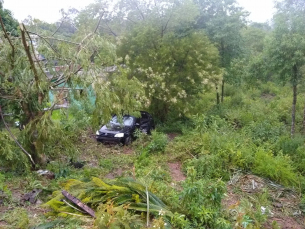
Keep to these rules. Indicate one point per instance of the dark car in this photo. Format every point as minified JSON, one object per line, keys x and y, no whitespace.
{"x":123,"y":131}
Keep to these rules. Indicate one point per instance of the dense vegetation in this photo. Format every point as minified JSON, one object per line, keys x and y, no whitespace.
{"x":226,"y":95}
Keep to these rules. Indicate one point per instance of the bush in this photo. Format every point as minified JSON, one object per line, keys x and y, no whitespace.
{"x":201,"y":199}
{"x":278,"y":168}
{"x":289,"y":145}
{"x":209,"y":166}
{"x":158,"y":142}
{"x":265,"y":131}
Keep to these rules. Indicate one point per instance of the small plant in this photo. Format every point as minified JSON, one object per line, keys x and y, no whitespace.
{"x":201,"y":199}
{"x":109,"y":216}
{"x":17,"y":218}
{"x":106,"y":164}
{"x":5,"y":193}
{"x":158,"y":142}
{"x":278,"y":168}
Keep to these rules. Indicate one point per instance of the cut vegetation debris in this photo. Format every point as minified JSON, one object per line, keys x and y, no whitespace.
{"x":95,"y":193}
{"x":263,"y":200}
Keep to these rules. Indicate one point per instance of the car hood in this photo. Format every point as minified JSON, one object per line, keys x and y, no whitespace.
{"x":105,"y":129}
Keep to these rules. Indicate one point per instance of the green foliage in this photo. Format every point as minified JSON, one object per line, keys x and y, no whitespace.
{"x":124,"y":192}
{"x":11,"y":156}
{"x":174,"y":65}
{"x":123,"y":95}
{"x":278,"y":168}
{"x":265,"y":131}
{"x":50,"y":137}
{"x":108,"y":216}
{"x":5,"y":193}
{"x":17,"y":218}
{"x":158,"y":142}
{"x":201,"y":200}
{"x":106,"y":164}
{"x":10,"y":23}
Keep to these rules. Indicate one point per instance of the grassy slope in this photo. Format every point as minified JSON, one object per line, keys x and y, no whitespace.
{"x":239,"y":135}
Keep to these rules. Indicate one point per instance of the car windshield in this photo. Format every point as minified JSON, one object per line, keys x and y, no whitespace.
{"x":115,"y":123}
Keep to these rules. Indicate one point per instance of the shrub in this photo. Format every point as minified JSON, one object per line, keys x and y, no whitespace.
{"x":158,"y":142}
{"x":265,"y":131}
{"x":278,"y":168}
{"x":209,"y":166}
{"x":289,"y":145}
{"x":201,"y":199}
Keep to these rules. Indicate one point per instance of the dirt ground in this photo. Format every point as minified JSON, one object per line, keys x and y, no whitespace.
{"x":176,"y":171}
{"x":284,"y":203}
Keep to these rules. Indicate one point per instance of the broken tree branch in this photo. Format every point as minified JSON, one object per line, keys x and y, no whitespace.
{"x":32,"y":64}
{"x":78,"y":203}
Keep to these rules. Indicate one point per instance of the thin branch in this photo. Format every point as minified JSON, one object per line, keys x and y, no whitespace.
{"x":62,"y":89}
{"x":33,"y":50}
{"x":54,"y":50}
{"x":57,"y":39}
{"x":113,"y":33}
{"x":166,"y":24}
{"x":59,"y":26}
{"x":131,"y":20}
{"x":20,"y":146}
{"x":99,"y":22}
{"x":142,"y":15}
{"x":89,"y":35}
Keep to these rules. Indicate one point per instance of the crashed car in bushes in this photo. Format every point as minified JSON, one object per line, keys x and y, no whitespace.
{"x":122,"y":131}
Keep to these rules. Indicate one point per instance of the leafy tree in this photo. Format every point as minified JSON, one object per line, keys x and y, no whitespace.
{"x":37,"y":26}
{"x":223,"y":21}
{"x":251,"y":66}
{"x":101,"y":11}
{"x":286,"y":47}
{"x":174,"y":62}
{"x":10,"y":23}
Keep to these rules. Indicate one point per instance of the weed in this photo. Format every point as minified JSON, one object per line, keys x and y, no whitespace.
{"x":158,"y":142}
{"x":201,"y":199}
{"x":278,"y":168}
{"x":17,"y":218}
{"x":106,"y":164}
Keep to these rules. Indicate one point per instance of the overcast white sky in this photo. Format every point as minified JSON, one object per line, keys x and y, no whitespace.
{"x":48,"y":10}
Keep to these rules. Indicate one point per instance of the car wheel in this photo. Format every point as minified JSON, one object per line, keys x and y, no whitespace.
{"x":127,"y":141}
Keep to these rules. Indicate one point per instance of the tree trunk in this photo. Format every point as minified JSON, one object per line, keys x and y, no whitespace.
{"x":222,"y":90}
{"x":217,"y":95}
{"x":294,"y":102}
{"x":304,"y":120}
